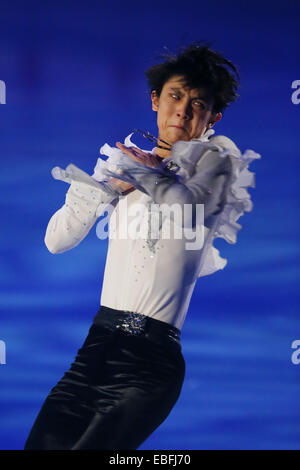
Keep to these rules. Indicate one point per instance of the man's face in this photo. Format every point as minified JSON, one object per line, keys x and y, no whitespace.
{"x":182,"y":113}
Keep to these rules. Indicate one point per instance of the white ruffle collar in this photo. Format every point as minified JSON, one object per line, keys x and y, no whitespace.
{"x":204,"y":138}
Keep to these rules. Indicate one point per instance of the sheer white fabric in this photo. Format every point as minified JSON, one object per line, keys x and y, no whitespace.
{"x":211,"y":172}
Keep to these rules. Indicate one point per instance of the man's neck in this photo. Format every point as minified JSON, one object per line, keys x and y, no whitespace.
{"x":162,"y":153}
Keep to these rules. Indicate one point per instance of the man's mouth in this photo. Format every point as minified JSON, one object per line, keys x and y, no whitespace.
{"x":179,"y":127}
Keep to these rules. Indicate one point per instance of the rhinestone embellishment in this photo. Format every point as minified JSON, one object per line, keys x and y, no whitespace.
{"x":134,"y":323}
{"x":154,"y":225}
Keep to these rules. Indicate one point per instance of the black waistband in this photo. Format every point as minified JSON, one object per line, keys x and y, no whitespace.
{"x":133,"y":323}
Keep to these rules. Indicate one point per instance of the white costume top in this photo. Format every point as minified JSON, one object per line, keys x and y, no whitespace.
{"x":144,"y":274}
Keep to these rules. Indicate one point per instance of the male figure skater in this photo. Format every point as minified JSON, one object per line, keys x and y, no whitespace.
{"x":128,"y":374}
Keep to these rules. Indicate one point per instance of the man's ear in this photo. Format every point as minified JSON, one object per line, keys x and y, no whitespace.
{"x":155,"y":100}
{"x":215,"y":118}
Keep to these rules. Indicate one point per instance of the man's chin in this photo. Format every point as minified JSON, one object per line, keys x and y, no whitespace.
{"x":176,"y":135}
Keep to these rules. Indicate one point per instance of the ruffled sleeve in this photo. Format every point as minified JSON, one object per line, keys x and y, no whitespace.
{"x":74,"y":174}
{"x":237,"y":202}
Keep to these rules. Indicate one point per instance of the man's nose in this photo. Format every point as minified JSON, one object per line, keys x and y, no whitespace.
{"x":184,"y":111}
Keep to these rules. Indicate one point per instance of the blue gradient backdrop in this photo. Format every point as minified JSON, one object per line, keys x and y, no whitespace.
{"x":74,"y":73}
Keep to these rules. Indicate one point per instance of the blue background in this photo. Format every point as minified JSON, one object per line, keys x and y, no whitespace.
{"x":74,"y":73}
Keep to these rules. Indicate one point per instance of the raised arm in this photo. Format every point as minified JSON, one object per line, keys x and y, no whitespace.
{"x":203,"y":178}
{"x":206,"y":186}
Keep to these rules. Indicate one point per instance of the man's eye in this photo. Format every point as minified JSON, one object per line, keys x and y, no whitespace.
{"x":174,"y":94}
{"x":200,"y":104}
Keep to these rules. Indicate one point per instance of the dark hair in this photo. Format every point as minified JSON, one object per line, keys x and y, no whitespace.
{"x":201,"y":67}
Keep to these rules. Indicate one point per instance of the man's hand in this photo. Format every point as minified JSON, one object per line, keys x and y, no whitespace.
{"x":145,"y":158}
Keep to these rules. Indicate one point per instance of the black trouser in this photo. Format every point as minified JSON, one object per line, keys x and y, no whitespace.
{"x":122,"y":385}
